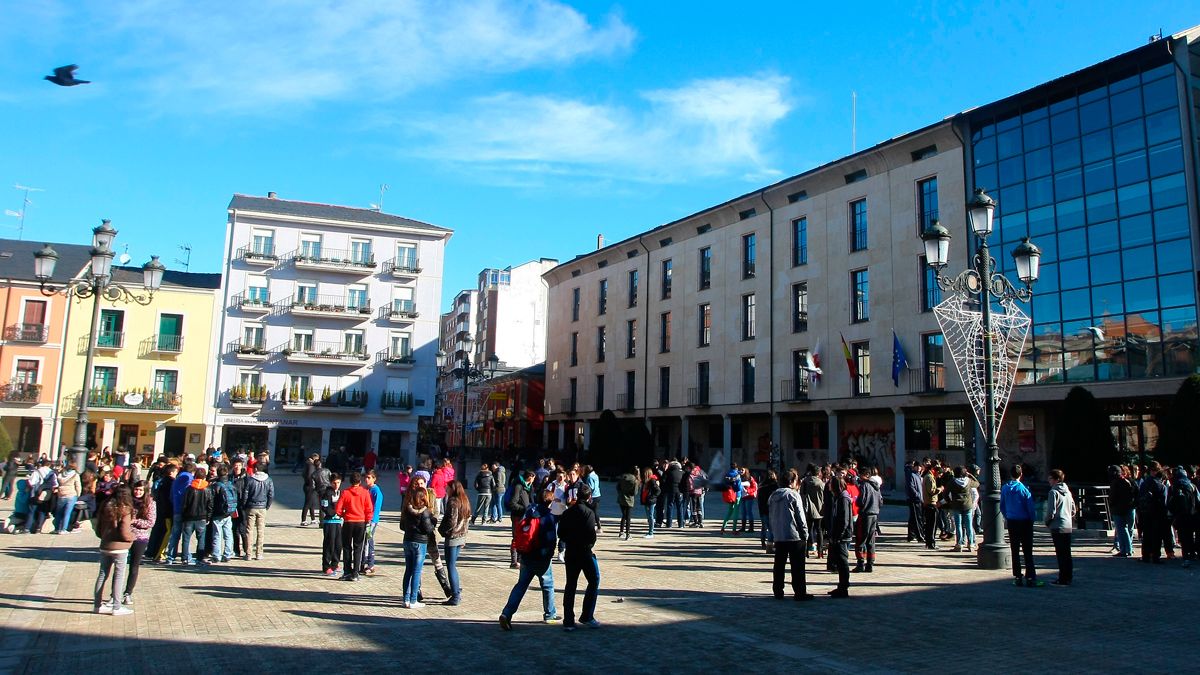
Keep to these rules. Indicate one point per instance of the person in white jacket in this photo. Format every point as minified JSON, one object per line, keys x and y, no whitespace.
{"x":1060,"y":516}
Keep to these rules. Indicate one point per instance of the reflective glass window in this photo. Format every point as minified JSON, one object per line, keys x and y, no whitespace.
{"x":1136,"y":230}
{"x":1162,"y":127}
{"x":1057,"y":105}
{"x":1129,"y":136}
{"x":1093,"y":116}
{"x":1097,"y":146}
{"x":1166,"y":159}
{"x":1071,"y":244}
{"x":1076,"y":304}
{"x":1175,"y":289}
{"x":1070,"y":213}
{"x":1159,"y":94}
{"x":985,"y":150}
{"x":1048,"y":277}
{"x":1168,"y":191}
{"x":1073,"y":273}
{"x":1108,"y":299}
{"x":1039,"y":192}
{"x":1126,"y":105}
{"x":1098,"y":176}
{"x":1093,"y":94}
{"x":1037,"y":134}
{"x":1122,"y":85}
{"x":1179,"y":323}
{"x":1103,"y":237}
{"x":1048,"y":244}
{"x":1045,"y":305}
{"x":1131,"y":168}
{"x":1036,"y":113}
{"x":1068,"y":184}
{"x":1064,"y":125}
{"x":1158,"y":72}
{"x":1008,"y":143}
{"x":1138,"y":262}
{"x":1011,"y":199}
{"x":1066,"y":154}
{"x":987,"y":177}
{"x":1174,"y":256}
{"x":1106,"y":268}
{"x":1140,"y":295}
{"x":1041,"y":221}
{"x":1101,"y":206}
{"x":1011,"y":171}
{"x":1133,"y":199}
{"x":1037,"y":162}
{"x":1170,"y":223}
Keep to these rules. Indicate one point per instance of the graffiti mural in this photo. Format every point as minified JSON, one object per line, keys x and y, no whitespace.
{"x":872,"y":447}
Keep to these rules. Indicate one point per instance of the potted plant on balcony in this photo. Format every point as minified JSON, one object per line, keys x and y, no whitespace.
{"x":364,"y":309}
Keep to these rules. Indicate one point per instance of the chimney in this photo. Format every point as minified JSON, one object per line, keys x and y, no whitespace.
{"x":270,"y":195}
{"x":599,"y":241}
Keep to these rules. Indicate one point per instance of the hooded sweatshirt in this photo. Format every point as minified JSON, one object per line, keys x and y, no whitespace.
{"x":1182,"y":500}
{"x":354,"y":505}
{"x":260,"y":491}
{"x":178,"y":489}
{"x":1016,"y":502}
{"x":1060,"y":508}
{"x":197,"y":501}
{"x":68,"y":484}
{"x":869,"y":497}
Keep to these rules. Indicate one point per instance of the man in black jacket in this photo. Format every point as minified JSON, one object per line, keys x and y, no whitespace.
{"x":916,"y":524}
{"x":672,"y":485}
{"x":840,"y":519}
{"x":1152,"y":514}
{"x":197,"y":510}
{"x":577,"y":528}
{"x":309,"y":512}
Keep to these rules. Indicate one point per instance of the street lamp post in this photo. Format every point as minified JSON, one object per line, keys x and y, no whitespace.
{"x":96,"y":283}
{"x":467,"y":373}
{"x":974,"y":336}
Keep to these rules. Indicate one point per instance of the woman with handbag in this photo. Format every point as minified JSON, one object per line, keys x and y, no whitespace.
{"x":114,"y":525}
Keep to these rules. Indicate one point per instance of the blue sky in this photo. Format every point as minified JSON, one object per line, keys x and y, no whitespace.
{"x":527,"y":127}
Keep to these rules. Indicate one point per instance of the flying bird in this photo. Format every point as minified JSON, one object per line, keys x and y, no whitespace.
{"x":64,"y":76}
{"x":1097,"y":332}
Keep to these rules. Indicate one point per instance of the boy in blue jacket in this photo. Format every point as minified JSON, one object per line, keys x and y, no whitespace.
{"x":1016,"y":504}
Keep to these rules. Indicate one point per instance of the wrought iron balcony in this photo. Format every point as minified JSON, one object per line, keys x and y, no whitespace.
{"x":345,"y":401}
{"x":166,"y":343}
{"x":334,"y":306}
{"x":257,"y":255}
{"x":250,"y":304}
{"x":795,"y":391}
{"x":248,"y":351}
{"x":927,"y":381}
{"x":333,"y":260}
{"x":698,"y":397}
{"x":399,"y":311}
{"x":403,"y":266}
{"x":396,"y":402}
{"x":567,"y":406}
{"x":137,"y":400}
{"x":625,"y":402}
{"x":396,"y":358}
{"x":20,"y":392}
{"x":27,"y":332}
{"x":323,"y":352}
{"x":106,"y":340}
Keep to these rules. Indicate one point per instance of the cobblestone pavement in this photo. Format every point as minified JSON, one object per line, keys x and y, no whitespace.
{"x":704,"y":597}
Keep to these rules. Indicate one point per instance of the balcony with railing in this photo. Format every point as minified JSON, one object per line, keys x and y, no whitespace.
{"x":247,"y":351}
{"x":135,"y":400}
{"x":27,"y":332}
{"x":567,"y":406}
{"x":356,"y":262}
{"x":403,"y":266}
{"x":330,"y":306}
{"x":927,"y":381}
{"x":106,"y":341}
{"x":328,"y":353}
{"x":347,"y":401}
{"x":257,"y":255}
{"x":625,"y":402}
{"x":396,"y":358}
{"x":795,"y":391}
{"x":400,"y":311}
{"x":246,"y":303}
{"x":164,"y":343}
{"x":396,"y":403}
{"x":20,"y":392}
{"x":247,"y":397}
{"x":697,"y":397}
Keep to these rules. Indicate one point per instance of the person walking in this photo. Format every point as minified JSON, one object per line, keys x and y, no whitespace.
{"x":354,"y":508}
{"x":789,"y":532}
{"x":839,"y":514}
{"x":577,"y":528}
{"x":115,"y":528}
{"x":627,"y":491}
{"x":651,"y":493}
{"x":417,"y":521}
{"x":518,"y":501}
{"x":538,"y":540}
{"x":1016,"y":504}
{"x":258,"y":496}
{"x":456,"y":520}
{"x":331,"y":527}
{"x":144,"y":514}
{"x":485,"y":484}
{"x":1060,"y":517}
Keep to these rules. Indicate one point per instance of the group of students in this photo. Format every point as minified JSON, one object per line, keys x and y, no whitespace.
{"x":57,"y":492}
{"x":1160,"y":505}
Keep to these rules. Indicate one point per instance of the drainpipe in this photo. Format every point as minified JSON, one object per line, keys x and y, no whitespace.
{"x":762,"y":195}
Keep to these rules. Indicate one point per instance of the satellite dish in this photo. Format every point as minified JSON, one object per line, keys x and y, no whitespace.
{"x":125,"y":258}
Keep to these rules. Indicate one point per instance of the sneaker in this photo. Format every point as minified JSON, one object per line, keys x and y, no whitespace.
{"x":1034,"y":583}
{"x":592,"y":623}
{"x":648,"y":536}
{"x":505,"y":622}
{"x":127,"y":600}
{"x":329,"y":573}
{"x":104,"y":609}
{"x":416,"y":605}
{"x":552,"y":620}
{"x":370,"y":571}
{"x":122,"y":611}
{"x":454,"y":601}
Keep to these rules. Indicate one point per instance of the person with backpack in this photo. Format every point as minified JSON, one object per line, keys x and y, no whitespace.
{"x":1181,"y":502}
{"x":42,"y":484}
{"x":651,"y":493}
{"x":517,"y":500}
{"x":577,"y":528}
{"x":485,"y":484}
{"x":179,"y":488}
{"x":331,"y":527}
{"x":224,"y":508}
{"x":308,"y":512}
{"x":672,"y":486}
{"x":197,"y":510}
{"x":627,"y":491}
{"x":534,"y":539}
{"x":1060,"y":518}
{"x":732,"y":495}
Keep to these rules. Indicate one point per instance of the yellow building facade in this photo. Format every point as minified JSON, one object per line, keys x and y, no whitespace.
{"x":149,"y":389}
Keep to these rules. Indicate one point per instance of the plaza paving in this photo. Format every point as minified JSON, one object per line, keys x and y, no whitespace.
{"x":689,"y":600}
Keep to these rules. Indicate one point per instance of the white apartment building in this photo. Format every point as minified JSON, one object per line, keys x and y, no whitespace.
{"x":511,"y":314}
{"x":329,"y":328}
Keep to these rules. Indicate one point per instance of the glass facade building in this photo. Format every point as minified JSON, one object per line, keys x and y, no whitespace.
{"x":1094,"y":168}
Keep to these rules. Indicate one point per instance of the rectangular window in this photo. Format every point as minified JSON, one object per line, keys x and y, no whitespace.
{"x":112,"y":329}
{"x":800,"y":241}
{"x":705,"y":324}
{"x":572,"y":395}
{"x":599,"y":393}
{"x":299,"y":386}
{"x":701,"y":383}
{"x":600,"y":344}
{"x":262,"y":242}
{"x":861,"y":352}
{"x":664,"y":332}
{"x":933,"y":356}
{"x":860,"y":301}
{"x":401,"y":345}
{"x":249,"y":379}
{"x":166,"y":381}
{"x":858,"y":225}
{"x":747,"y":379}
{"x":27,"y":372}
{"x":574,"y":304}
{"x":252,"y":335}
{"x":630,"y":389}
{"x":104,"y":378}
{"x":931,"y":293}
{"x":748,"y":256}
{"x":603,"y":296}
{"x":360,"y":251}
{"x":170,"y":332}
{"x":800,"y":307}
{"x":302,"y":340}
{"x":406,"y":257}
{"x":356,"y":296}
{"x":927,"y":204}
{"x":256,"y":289}
{"x":402,"y":299}
{"x":306,"y":292}
{"x":574,"y":349}
{"x":631,"y":338}
{"x":800,"y":376}
{"x":664,"y":387}
{"x":666,"y":279}
{"x":705,"y":267}
{"x":352,"y":342}
{"x":633,"y":288}
{"x":310,"y":246}
{"x":748,"y":318}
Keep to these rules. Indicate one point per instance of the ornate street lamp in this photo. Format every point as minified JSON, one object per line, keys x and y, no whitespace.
{"x":468,"y":374}
{"x":985,"y":331}
{"x":97,"y":283}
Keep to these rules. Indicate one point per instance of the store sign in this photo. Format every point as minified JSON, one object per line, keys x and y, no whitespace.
{"x":133,"y":398}
{"x":280,"y":421}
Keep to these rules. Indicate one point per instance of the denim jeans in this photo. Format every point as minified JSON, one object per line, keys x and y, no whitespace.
{"x":452,"y":569}
{"x":650,"y":519}
{"x":749,"y":505}
{"x":369,"y":547}
{"x":414,"y":560}
{"x":1123,"y":522}
{"x":191,"y":527}
{"x":62,"y":513}
{"x":494,"y":509}
{"x":176,"y":535}
{"x":538,"y":566}
{"x":483,"y":506}
{"x":964,"y":529}
{"x":222,"y":547}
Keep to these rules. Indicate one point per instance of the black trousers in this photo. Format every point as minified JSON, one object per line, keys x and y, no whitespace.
{"x":575,"y":564}
{"x":816,"y":535}
{"x":1153,"y":535}
{"x":1020,"y":537}
{"x":868,"y":530}
{"x":156,"y":535}
{"x":353,"y":536}
{"x":789,"y":553}
{"x":241,"y":536}
{"x":626,"y":517}
{"x":839,"y":553}
{"x":1062,"y":551}
{"x":136,"y":552}
{"x":331,"y":546}
{"x":931,"y":518}
{"x":1186,"y":527}
{"x":310,"y":510}
{"x":916,"y":522}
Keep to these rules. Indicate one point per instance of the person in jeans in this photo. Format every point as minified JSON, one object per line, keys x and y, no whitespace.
{"x":577,"y":528}
{"x":672,"y":493}
{"x":115,"y":528}
{"x":812,"y":491}
{"x":536,"y":562}
{"x":499,"y":485}
{"x":1122,"y":496}
{"x":376,"y":493}
{"x":354,"y":507}
{"x":197,"y":510}
{"x":453,"y":528}
{"x":789,"y":532}
{"x":224,"y":508}
{"x":68,"y":490}
{"x":179,"y":489}
{"x":1016,"y":504}
{"x":257,"y":498}
{"x":164,"y":512}
{"x":651,"y":493}
{"x":1060,"y":517}
{"x":145,"y":513}
{"x":930,"y":491}
{"x":484,"y":485}
{"x":241,"y":536}
{"x":417,"y":521}
{"x":912,"y":489}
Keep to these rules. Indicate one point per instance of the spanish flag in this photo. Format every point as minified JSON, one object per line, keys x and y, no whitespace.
{"x":849,"y":359}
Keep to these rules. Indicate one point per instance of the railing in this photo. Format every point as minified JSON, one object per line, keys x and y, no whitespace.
{"x":338,"y":304}
{"x":242,"y":301}
{"x":698,"y":397}
{"x":335,"y":351}
{"x":165,"y":342}
{"x":251,"y":348}
{"x":396,"y":400}
{"x":795,"y":390}
{"x":403,"y":264}
{"x":260,"y":254}
{"x":399,"y":308}
{"x":27,"y":332}
{"x":928,"y":380}
{"x":333,"y":256}
{"x":20,"y":392}
{"x":242,"y":394}
{"x":567,"y":406}
{"x":110,"y":339}
{"x":153,"y":399}
{"x":396,"y":357}
{"x":625,"y":402}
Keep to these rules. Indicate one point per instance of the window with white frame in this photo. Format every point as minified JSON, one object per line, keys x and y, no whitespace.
{"x":302,"y":340}
{"x":360,"y":251}
{"x":352,"y":342}
{"x":252,"y":335}
{"x":402,"y":299}
{"x":257,"y":289}
{"x":166,"y":381}
{"x":406,"y":256}
{"x":356,"y":296}
{"x":300,"y":387}
{"x":262,"y":241}
{"x":400,"y":344}
{"x":306,"y":292}
{"x":310,"y":246}
{"x":249,"y":379}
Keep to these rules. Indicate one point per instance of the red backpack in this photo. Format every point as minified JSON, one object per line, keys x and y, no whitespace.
{"x":528,"y":536}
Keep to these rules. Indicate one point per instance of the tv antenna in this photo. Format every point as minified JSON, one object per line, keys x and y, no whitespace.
{"x":187,"y":258}
{"x":383,"y":187}
{"x":25,"y":202}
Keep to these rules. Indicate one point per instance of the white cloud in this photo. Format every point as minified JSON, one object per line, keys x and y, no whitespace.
{"x":707,"y":127}
{"x":261,"y":55}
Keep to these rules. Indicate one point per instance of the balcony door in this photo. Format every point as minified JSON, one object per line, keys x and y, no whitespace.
{"x":112,"y":323}
{"x":27,"y":373}
{"x":166,"y":381}
{"x":104,"y":378}
{"x":170,"y":332}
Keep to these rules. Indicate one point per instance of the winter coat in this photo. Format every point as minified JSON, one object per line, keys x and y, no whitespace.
{"x":577,"y":529}
{"x":485,"y":482}
{"x":1122,"y":495}
{"x":913,"y":485}
{"x":786,"y":514}
{"x":1060,"y":508}
{"x":258,"y":492}
{"x":455,"y":523}
{"x":329,"y":502}
{"x":627,"y":490}
{"x":764,"y":496}
{"x":839,"y":517}
{"x":68,"y":484}
{"x":418,"y":525}
{"x":651,"y":490}
{"x":1016,"y":502}
{"x":142,"y":526}
{"x":929,"y":489}
{"x":812,"y":490}
{"x":672,"y":480}
{"x":354,"y":505}
{"x":500,"y":485}
{"x":960,"y":493}
{"x":869,"y":498}
{"x":197,"y":502}
{"x":117,"y":536}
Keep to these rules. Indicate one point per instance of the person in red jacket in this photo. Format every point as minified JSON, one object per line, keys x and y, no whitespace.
{"x":441,"y":477}
{"x":356,"y":510}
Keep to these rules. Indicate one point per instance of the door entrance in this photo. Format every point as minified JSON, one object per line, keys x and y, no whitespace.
{"x":173,"y":441}
{"x":29,"y":437}
{"x":127,"y":437}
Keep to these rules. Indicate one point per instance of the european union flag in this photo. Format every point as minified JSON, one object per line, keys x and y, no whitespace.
{"x":899,"y":360}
